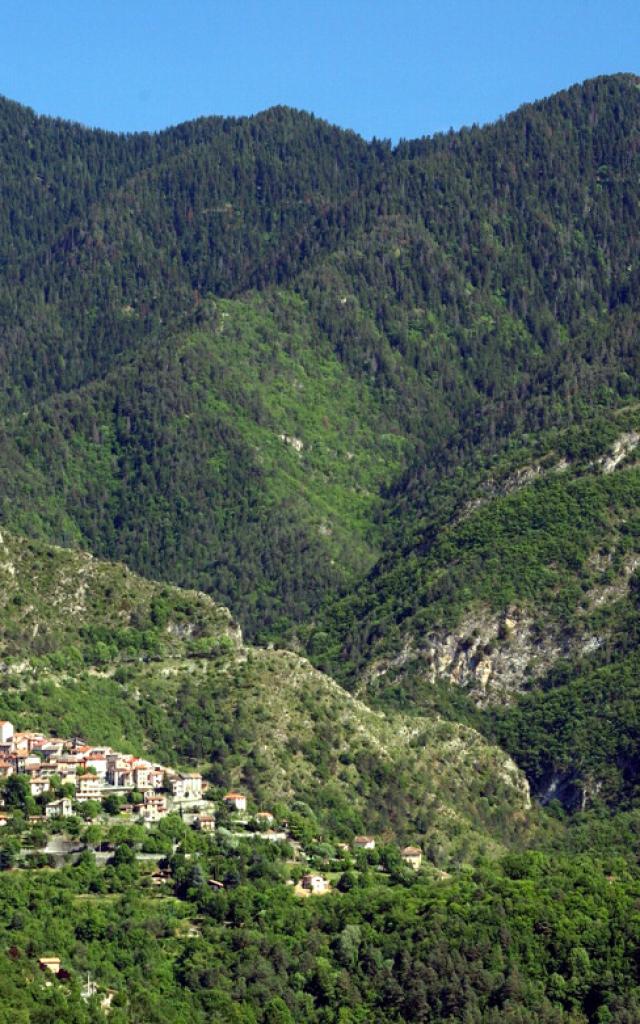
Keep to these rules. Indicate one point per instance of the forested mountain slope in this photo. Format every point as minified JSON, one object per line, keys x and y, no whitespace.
{"x":418,"y":310}
{"x":384,"y":404}
{"x":90,"y":649}
{"x":518,"y":614}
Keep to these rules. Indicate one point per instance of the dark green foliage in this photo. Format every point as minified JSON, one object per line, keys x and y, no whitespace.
{"x":578,"y":735}
{"x":449,"y":295}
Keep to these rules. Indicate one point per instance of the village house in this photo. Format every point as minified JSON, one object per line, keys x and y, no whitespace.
{"x":148,"y":813}
{"x":70,"y":761}
{"x":52,"y":749}
{"x":265,"y":817}
{"x":157,"y":776}
{"x":62,"y":808}
{"x":364,"y":843}
{"x":5,"y":818}
{"x":187,"y":787}
{"x":39,"y":785}
{"x":235,"y":801}
{"x":412,"y":856}
{"x":28,"y":740}
{"x":206,"y":822}
{"x":158,"y":800}
{"x":98,"y":762}
{"x":80,"y":748}
{"x":49,"y":963}
{"x":6,"y":732}
{"x":68,"y":778}
{"x":89,"y":787}
{"x":89,"y":769}
{"x":143,"y":776}
{"x":120,"y":771}
{"x":160,"y":876}
{"x":47,"y":769}
{"x":315,"y":884}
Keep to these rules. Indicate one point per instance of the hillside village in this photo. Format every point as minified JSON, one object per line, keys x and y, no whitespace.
{"x":91,"y":773}
{"x":136,"y":822}
{"x":66,"y":776}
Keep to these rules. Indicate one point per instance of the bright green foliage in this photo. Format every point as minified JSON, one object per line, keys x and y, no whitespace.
{"x":530,"y":939}
{"x":527,"y":535}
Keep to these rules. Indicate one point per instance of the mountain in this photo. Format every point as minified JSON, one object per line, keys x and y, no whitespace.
{"x":382,"y":403}
{"x":524,"y":603}
{"x":248,"y":355}
{"x":486,"y":928}
{"x":90,"y":649}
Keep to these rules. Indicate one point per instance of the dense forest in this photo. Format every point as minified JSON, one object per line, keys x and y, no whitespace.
{"x":534,"y":939}
{"x":173,"y":306}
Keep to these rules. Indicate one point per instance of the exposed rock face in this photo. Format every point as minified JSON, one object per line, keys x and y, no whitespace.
{"x":622,"y":447}
{"x":294,"y":442}
{"x":525,"y":475}
{"x":491,"y":656}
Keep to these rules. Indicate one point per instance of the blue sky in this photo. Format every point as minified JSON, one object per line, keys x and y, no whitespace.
{"x":384,"y":68}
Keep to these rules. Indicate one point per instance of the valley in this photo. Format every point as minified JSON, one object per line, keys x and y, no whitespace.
{"x":320,"y":570}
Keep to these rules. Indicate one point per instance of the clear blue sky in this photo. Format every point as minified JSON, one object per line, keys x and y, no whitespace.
{"x":385,"y":68}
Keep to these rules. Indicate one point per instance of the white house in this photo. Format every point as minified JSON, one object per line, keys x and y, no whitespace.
{"x":364,"y":843}
{"x":315,"y":884}
{"x":187,"y":787}
{"x":235,"y":801}
{"x":148,"y":813}
{"x":412,"y":856}
{"x":89,"y":787}
{"x":6,"y":732}
{"x":98,"y":762}
{"x":49,"y":963}
{"x":143,"y":776}
{"x":206,"y":822}
{"x":68,"y":778}
{"x":59,"y":808}
{"x":157,"y":799}
{"x":39,"y":785}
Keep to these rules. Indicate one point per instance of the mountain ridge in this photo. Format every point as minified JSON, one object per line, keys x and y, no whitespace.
{"x":451,"y":308}
{"x":87,"y":648}
{"x":267,"y":359}
{"x":383,"y":403}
